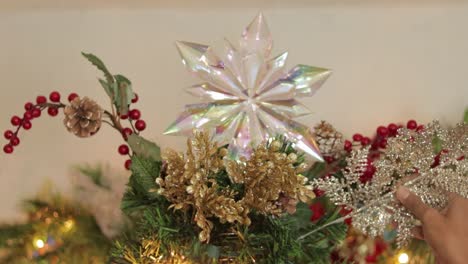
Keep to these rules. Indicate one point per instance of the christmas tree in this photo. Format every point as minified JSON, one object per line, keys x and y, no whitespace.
{"x":77,"y":228}
{"x":254,"y":186}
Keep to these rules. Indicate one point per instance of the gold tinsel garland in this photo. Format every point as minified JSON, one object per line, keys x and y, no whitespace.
{"x":271,"y":182}
{"x":149,"y":253}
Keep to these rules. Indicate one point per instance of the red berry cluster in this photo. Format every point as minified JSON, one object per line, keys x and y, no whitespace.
{"x":137,"y":125}
{"x":377,"y":143}
{"x":53,"y":104}
{"x":32,"y":111}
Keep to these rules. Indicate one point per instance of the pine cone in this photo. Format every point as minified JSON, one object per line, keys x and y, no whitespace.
{"x":83,"y":117}
{"x":329,"y":140}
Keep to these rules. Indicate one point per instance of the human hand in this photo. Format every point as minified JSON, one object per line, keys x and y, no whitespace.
{"x":446,"y":232}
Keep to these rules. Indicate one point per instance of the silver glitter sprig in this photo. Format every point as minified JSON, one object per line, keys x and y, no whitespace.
{"x":430,"y":163}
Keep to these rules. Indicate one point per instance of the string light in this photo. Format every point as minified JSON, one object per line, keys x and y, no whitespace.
{"x":68,"y":225}
{"x":403,"y":258}
{"x":39,"y":243}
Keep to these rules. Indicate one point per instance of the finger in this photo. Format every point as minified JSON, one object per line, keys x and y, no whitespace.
{"x":454,"y":197}
{"x":424,"y":213}
{"x":417,"y":233}
{"x":453,"y":208}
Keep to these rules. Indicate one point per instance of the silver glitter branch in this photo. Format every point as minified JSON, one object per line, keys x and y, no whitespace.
{"x":434,"y":162}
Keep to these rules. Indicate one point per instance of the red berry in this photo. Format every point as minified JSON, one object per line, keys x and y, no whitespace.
{"x":392,"y":129}
{"x":319,"y":192}
{"x":15,"y":141}
{"x":28,"y":115}
{"x":124,"y":116}
{"x":329,"y":159}
{"x":28,"y":106}
{"x":383,"y":143}
{"x":357,"y":137}
{"x":128,"y":164}
{"x":127,"y":131}
{"x":72,"y":96}
{"x":134,"y":114}
{"x":52,"y":111}
{"x":16,"y":121}
{"x":123,"y":149}
{"x":365,"y":141}
{"x":36,"y":112}
{"x":140,"y":125}
{"x":348,"y":221}
{"x":318,"y":210}
{"x":135,"y":98}
{"x":8,"y":134}
{"x":348,"y":146}
{"x":412,"y":124}
{"x":420,"y":128}
{"x":374,"y":155}
{"x":8,"y":149}
{"x":344,"y":211}
{"x":436,"y":161}
{"x":41,"y":99}
{"x":375,"y":144}
{"x":54,"y":96}
{"x":27,"y":125}
{"x":382,"y":131}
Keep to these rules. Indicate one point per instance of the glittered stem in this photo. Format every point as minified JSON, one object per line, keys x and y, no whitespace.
{"x":336,"y":221}
{"x":341,"y":219}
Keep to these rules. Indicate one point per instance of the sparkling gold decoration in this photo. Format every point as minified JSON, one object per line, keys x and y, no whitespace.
{"x":329,"y":140}
{"x":434,"y":158}
{"x":83,"y":117}
{"x":191,"y":182}
{"x":270,"y":179}
{"x":149,"y":253}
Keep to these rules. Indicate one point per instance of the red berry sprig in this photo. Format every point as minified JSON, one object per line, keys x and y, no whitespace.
{"x":377,"y":143}
{"x":128,"y":164}
{"x":32,"y":111}
{"x":136,"y":125}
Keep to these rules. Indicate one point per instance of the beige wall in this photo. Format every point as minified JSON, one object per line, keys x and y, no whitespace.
{"x":391,"y":62}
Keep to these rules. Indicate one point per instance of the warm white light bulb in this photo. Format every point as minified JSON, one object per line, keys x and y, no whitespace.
{"x":69,"y":224}
{"x":39,"y":243}
{"x":403,"y":258}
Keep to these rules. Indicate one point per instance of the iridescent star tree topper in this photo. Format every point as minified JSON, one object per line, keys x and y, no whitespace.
{"x":249,"y":96}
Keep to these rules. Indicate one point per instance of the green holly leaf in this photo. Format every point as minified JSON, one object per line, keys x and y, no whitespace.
{"x":117,"y":87}
{"x":124,"y":94}
{"x":437,"y":144}
{"x":465,"y":117}
{"x":141,"y":185}
{"x":100,"y":65}
{"x":144,"y":147}
{"x":145,"y":170}
{"x":109,"y":88}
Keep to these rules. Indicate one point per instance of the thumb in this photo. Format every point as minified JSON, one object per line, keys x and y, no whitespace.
{"x":413,"y":203}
